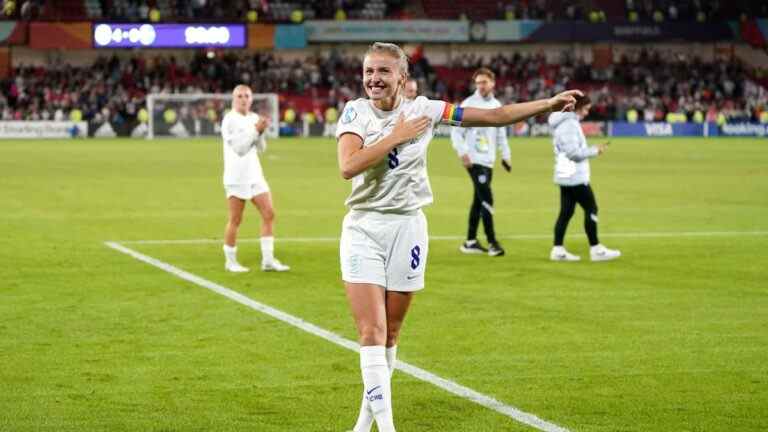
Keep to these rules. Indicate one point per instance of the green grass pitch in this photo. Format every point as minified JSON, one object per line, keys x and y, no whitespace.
{"x":672,"y":337}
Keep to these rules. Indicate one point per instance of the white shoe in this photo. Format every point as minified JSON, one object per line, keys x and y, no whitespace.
{"x":602,"y":253}
{"x":274,"y":265}
{"x":235,"y":267}
{"x":560,"y":254}
{"x":472,"y":247}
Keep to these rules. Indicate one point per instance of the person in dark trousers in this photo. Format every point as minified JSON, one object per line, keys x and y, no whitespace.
{"x":477,"y":147}
{"x":572,"y":175}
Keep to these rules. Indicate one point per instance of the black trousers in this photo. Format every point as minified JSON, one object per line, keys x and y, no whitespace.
{"x":569,"y":197}
{"x":482,"y":203}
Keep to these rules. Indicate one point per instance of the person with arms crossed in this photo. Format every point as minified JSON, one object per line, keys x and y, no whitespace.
{"x":382,"y":148}
{"x":572,"y":175}
{"x":477,"y":149}
{"x":243,"y":134}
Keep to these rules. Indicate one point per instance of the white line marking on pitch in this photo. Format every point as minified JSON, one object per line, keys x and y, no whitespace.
{"x":445,"y":384}
{"x":448,"y":237}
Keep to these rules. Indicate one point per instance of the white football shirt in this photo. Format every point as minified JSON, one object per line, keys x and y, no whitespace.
{"x":399,"y":183}
{"x":241,"y":159}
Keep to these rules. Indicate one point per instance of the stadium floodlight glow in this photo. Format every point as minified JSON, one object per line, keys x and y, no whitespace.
{"x":138,"y":35}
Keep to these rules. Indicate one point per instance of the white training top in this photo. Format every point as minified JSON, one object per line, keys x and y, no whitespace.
{"x":241,"y":146}
{"x":399,"y":183}
{"x":481,"y":143}
{"x":572,"y":153}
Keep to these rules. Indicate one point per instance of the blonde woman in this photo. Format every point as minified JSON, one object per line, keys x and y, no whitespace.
{"x":382,"y":148}
{"x":243,"y":134}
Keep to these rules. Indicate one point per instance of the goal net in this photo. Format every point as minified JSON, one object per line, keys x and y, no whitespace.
{"x":199,"y":115}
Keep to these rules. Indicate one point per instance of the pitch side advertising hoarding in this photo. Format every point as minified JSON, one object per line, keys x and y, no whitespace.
{"x":744,"y":129}
{"x":660,"y":129}
{"x":395,"y":31}
{"x":42,"y":129}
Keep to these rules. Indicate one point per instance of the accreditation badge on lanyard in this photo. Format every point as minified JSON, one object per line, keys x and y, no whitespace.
{"x":481,"y":140}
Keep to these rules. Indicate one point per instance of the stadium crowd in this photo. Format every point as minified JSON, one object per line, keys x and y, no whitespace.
{"x":298,"y":10}
{"x":650,"y":83}
{"x":695,"y":10}
{"x":657,"y":10}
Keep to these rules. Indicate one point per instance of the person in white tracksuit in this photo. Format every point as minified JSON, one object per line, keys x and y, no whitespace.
{"x":572,"y":174}
{"x":477,"y":148}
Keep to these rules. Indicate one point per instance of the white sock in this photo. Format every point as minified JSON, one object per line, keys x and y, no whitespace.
{"x":365,"y":418}
{"x":558,"y":249}
{"x":267,"y":249}
{"x":376,"y":384}
{"x":230,"y":253}
{"x":391,"y":359}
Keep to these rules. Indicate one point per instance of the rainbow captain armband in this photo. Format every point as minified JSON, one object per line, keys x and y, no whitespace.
{"x":452,"y":114}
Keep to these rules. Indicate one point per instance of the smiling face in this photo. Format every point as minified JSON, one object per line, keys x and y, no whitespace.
{"x":242,"y":99}
{"x":382,"y":78}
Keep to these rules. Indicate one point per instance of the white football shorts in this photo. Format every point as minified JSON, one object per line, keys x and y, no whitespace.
{"x":247,"y":191}
{"x":385,"y":249}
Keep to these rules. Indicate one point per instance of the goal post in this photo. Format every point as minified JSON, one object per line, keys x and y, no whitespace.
{"x":190,"y":115}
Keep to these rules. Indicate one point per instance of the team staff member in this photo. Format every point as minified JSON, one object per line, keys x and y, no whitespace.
{"x":477,"y":149}
{"x":572,"y":174}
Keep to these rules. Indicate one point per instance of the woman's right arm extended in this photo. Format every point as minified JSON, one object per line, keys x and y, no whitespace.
{"x":354,"y":158}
